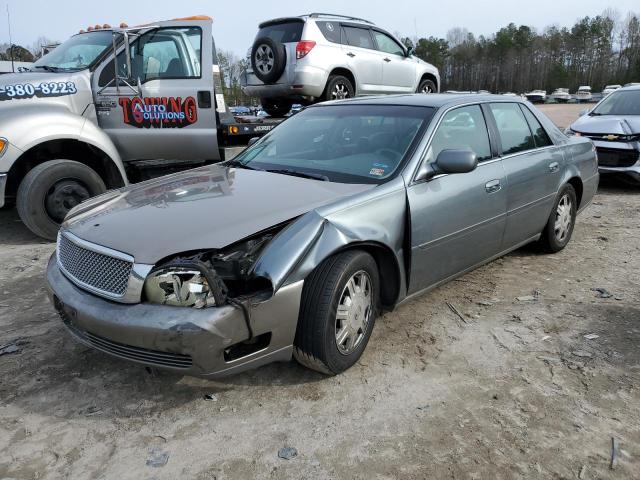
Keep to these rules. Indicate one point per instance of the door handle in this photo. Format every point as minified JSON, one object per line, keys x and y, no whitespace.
{"x":204,"y":99}
{"x":493,"y":186}
{"x":554,"y":167}
{"x":351,"y":54}
{"x":387,"y":59}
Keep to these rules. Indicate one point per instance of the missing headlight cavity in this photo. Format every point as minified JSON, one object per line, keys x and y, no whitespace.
{"x":186,"y":286}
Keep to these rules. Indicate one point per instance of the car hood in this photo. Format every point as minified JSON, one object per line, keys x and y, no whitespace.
{"x":205,"y":208}
{"x":617,"y":125}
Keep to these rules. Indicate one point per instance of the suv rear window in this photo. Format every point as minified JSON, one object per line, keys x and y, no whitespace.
{"x":287,"y":32}
{"x":330,"y":30}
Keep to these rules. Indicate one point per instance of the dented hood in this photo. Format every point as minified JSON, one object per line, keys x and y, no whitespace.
{"x":206,"y":208}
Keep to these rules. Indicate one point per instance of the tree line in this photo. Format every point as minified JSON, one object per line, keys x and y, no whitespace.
{"x":595,"y":51}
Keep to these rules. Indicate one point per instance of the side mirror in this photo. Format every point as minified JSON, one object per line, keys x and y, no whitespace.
{"x":252,"y":140}
{"x":583,"y":112}
{"x":409,"y":51}
{"x":449,"y":162}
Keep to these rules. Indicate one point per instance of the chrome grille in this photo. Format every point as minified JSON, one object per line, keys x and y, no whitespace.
{"x":93,"y":270}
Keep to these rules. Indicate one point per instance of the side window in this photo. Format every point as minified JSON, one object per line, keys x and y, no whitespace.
{"x":387,"y":44}
{"x":513,"y":129}
{"x":163,"y":53}
{"x":539,"y":133}
{"x":358,"y":37}
{"x":330,"y":30}
{"x":461,"y":128}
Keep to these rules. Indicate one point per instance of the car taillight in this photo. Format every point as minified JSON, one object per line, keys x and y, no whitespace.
{"x":303,"y":48}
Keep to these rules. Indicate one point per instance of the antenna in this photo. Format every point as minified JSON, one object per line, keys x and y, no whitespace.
{"x":10,"y":40}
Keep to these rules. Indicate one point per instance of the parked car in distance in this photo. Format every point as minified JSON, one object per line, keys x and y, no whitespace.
{"x":561,"y":95}
{"x":321,"y":56}
{"x":584,"y":94}
{"x":240,"y":111}
{"x":536,"y":96}
{"x":614,"y":126}
{"x":296,"y":107}
{"x":610,"y":89}
{"x":344,"y":210}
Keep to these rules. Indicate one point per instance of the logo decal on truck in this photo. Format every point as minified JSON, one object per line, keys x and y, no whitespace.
{"x":159,"y":112}
{"x":44,"y":89}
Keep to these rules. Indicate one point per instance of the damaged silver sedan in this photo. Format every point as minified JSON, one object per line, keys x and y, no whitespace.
{"x":296,"y":246}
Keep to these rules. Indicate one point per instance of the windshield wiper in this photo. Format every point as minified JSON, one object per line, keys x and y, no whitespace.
{"x":295,"y":173}
{"x":595,"y":114}
{"x":239,"y":164}
{"x":48,"y":68}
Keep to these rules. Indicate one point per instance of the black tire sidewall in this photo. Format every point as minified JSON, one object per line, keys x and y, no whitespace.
{"x":550,"y":241}
{"x":279,"y":59}
{"x":331,"y":83}
{"x":425,"y":82}
{"x":35,"y":185}
{"x":276,"y":107}
{"x":336,"y":361}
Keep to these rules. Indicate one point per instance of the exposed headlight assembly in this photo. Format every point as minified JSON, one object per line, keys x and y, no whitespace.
{"x":185,"y":285}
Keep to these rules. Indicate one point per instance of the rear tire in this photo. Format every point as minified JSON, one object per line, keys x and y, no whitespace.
{"x":276,"y":107}
{"x":339,"y":87}
{"x":340,"y":302}
{"x":50,"y":190}
{"x":426,"y":86}
{"x":557,"y":232}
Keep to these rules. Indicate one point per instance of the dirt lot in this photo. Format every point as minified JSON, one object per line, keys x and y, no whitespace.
{"x":514,"y":391}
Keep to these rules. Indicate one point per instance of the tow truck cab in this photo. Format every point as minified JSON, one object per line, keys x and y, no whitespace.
{"x":111,"y":106}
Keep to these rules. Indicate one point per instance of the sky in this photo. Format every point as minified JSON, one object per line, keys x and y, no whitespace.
{"x":235,"y":22}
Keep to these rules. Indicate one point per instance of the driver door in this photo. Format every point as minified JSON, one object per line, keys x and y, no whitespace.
{"x":173,"y":116}
{"x":457,"y":220}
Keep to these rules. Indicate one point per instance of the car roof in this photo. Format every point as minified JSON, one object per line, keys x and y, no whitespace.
{"x":434,"y":100}
{"x":631,"y":87}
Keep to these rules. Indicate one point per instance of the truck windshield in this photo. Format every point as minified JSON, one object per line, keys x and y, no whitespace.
{"x":621,"y":102}
{"x":339,"y":143}
{"x":77,"y":53}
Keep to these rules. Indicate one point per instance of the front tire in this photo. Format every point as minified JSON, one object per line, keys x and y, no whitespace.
{"x":557,"y":232}
{"x":50,"y":190}
{"x":339,"y":87}
{"x":426,"y":86}
{"x":339,"y":306}
{"x":276,"y":107}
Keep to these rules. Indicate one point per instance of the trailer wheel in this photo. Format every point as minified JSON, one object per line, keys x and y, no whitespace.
{"x":50,"y":190}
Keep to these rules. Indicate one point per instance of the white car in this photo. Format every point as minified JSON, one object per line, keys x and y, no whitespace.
{"x":610,"y":89}
{"x":584,"y":94}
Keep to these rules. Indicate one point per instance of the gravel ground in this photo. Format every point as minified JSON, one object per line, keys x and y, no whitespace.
{"x":520,"y":389}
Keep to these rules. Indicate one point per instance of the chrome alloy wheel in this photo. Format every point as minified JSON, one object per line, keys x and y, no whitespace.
{"x":354,"y":312}
{"x":339,"y":91}
{"x":564,"y":217}
{"x":264,"y":59}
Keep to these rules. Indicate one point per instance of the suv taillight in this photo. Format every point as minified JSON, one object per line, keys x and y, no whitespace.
{"x":303,"y":48}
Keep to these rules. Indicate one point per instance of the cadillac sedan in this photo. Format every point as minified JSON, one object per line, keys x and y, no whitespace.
{"x":296,"y":246}
{"x":614,"y":126}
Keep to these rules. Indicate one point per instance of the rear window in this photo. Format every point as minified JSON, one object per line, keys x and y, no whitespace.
{"x":539,"y":133}
{"x":359,"y":37}
{"x":512,"y":127}
{"x":330,"y":30}
{"x":287,"y":32}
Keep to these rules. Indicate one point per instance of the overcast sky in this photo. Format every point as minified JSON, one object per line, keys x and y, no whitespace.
{"x":235,"y":21}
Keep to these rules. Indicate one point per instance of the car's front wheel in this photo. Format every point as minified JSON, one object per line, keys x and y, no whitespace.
{"x":339,"y":306}
{"x":276,"y":107}
{"x":426,"y":86}
{"x":557,"y":232}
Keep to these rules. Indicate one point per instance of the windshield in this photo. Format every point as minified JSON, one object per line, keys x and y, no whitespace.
{"x":620,"y":102}
{"x":77,"y":53}
{"x":340,"y":143}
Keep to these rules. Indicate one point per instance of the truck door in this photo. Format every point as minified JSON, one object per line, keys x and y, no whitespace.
{"x":165,"y":108}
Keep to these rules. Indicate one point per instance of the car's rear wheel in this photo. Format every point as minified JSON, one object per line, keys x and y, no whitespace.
{"x":339,"y":306}
{"x":276,"y":107}
{"x":557,"y":232}
{"x":426,"y":86}
{"x":50,"y":190}
{"x":339,"y":87}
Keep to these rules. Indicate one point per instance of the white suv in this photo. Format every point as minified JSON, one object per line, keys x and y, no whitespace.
{"x":321,"y":56}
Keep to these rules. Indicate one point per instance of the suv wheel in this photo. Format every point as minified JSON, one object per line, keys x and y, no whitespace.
{"x":276,"y":107}
{"x":268,"y":59}
{"x":338,"y":88}
{"x":426,"y":86}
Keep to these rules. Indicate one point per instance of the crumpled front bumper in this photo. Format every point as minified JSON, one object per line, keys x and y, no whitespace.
{"x":621,"y":149}
{"x":185,"y":340}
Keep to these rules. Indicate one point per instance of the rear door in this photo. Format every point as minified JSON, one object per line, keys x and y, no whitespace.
{"x":398,"y":70}
{"x":457,"y":221}
{"x":532,"y":165}
{"x":173,"y":116}
{"x":363,"y":59}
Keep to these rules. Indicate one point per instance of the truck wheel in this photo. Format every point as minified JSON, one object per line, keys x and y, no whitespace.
{"x":268,"y":59}
{"x":340,"y":302}
{"x":427,"y":86}
{"x":557,"y":232}
{"x":276,"y":107}
{"x":50,"y":190}
{"x":339,"y":87}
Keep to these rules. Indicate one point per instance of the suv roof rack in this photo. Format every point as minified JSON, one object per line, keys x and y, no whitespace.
{"x":346,"y":17}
